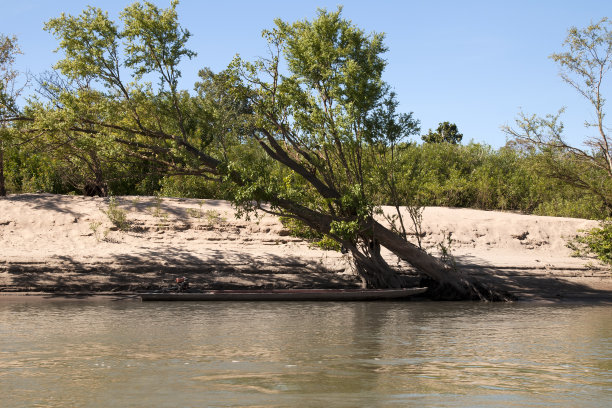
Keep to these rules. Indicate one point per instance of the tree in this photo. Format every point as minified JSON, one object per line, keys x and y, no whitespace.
{"x":584,"y":66}
{"x":9,"y":92}
{"x":445,"y":133}
{"x":85,"y":159}
{"x":321,"y":119}
{"x":94,"y":121}
{"x":298,"y":141}
{"x":393,"y":176}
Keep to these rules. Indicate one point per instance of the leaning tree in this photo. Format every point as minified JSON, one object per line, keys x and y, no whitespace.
{"x":298,"y":133}
{"x":322,"y":110}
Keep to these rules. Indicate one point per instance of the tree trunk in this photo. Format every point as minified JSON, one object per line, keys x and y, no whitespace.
{"x":373,"y":269}
{"x":2,"y":185}
{"x":450,"y":283}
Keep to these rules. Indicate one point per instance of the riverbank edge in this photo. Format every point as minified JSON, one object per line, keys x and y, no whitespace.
{"x":66,"y":246}
{"x":44,"y":297}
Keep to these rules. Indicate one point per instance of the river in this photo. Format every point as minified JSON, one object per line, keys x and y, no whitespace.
{"x":389,"y":354}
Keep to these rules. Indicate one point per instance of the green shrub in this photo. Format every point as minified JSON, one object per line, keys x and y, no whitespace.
{"x":191,"y":187}
{"x":587,"y":206}
{"x":599,"y":241}
{"x":478,"y":176}
{"x":116,"y":215}
{"x":298,"y":229}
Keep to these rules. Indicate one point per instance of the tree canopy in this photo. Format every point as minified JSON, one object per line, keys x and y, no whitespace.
{"x":445,"y":133}
{"x":9,"y":91}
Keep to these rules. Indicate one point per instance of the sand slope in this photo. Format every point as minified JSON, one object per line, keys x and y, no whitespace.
{"x":67,"y":243}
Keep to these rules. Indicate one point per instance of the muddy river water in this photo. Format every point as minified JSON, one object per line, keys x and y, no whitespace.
{"x":389,"y":354}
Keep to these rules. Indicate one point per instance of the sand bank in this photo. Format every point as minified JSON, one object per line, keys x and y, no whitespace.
{"x":54,"y":243}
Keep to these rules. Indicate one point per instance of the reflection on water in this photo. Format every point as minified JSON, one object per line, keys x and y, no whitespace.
{"x":304,"y":354}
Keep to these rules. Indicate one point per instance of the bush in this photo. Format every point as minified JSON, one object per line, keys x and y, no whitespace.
{"x":191,"y":187}
{"x":599,"y":241}
{"x":117,"y":215}
{"x":298,"y":229}
{"x":477,"y":176}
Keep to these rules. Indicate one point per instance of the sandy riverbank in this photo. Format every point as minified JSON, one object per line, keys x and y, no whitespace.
{"x":53,"y":243}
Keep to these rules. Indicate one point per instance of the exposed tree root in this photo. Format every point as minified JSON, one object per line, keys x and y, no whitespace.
{"x":473,"y":290}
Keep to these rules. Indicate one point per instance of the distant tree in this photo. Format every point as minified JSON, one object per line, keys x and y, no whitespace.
{"x":445,"y":133}
{"x":9,"y":92}
{"x":584,"y":66}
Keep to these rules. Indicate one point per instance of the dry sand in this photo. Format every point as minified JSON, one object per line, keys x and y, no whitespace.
{"x":55,"y":243}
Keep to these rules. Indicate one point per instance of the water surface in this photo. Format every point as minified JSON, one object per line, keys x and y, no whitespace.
{"x":83,"y":354}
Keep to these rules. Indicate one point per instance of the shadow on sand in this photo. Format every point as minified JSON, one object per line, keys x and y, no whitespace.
{"x":533,"y":283}
{"x":149,"y":271}
{"x":152,"y":270}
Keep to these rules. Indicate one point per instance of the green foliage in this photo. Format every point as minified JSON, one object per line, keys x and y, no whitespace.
{"x":9,"y":49}
{"x":347,"y":230}
{"x":105,"y":134}
{"x":584,"y":66}
{"x":117,"y":215}
{"x":315,"y":119}
{"x":9,"y":93}
{"x":599,"y":241}
{"x":324,"y":132}
{"x":192,"y":187}
{"x":445,"y":133}
{"x":579,"y":206}
{"x":388,"y":128}
{"x":298,"y":229}
{"x":478,"y":176}
{"x":89,"y":42}
{"x":155,"y":42}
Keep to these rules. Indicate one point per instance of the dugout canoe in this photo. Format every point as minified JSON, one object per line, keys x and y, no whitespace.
{"x":287,"y":295}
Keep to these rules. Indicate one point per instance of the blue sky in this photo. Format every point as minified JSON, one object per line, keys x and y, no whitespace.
{"x":474,"y":63}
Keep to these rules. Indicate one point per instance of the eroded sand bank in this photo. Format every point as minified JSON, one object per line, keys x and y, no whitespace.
{"x":57,"y":243}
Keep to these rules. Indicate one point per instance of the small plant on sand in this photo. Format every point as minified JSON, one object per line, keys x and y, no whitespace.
{"x":157,"y":209}
{"x":200,"y":204}
{"x":116,"y":215}
{"x":416,"y":215}
{"x":157,"y":212}
{"x":196,"y":212}
{"x":107,"y":237}
{"x":445,"y":247}
{"x":163,"y":221}
{"x":193,"y":212}
{"x":578,"y":249}
{"x":213,"y":217}
{"x":93,"y":226}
